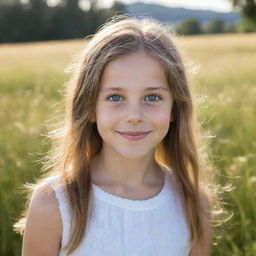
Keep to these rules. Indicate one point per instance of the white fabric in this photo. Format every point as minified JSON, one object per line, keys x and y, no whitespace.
{"x":124,"y":227}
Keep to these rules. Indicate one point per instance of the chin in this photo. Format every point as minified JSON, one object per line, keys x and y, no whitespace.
{"x":134,"y":153}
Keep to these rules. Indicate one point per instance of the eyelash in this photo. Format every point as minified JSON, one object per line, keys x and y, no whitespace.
{"x":160,"y":98}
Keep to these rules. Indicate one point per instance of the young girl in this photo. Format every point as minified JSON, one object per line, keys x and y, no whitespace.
{"x":126,"y":174}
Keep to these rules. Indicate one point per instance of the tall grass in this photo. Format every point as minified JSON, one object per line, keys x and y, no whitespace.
{"x":31,"y":78}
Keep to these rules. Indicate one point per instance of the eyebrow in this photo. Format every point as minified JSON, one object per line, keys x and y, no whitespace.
{"x":118,"y":89}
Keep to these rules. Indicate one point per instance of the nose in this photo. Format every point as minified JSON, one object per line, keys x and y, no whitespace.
{"x":134,"y":113}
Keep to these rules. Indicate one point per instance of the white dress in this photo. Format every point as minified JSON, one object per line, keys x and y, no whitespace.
{"x":124,"y":227}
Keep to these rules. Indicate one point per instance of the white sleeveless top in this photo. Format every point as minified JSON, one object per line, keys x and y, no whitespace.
{"x":125,"y":227}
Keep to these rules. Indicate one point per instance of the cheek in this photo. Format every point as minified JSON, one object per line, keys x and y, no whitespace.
{"x":162,"y":122}
{"x":105,"y":117}
{"x":161,"y":119}
{"x":162,"y":114}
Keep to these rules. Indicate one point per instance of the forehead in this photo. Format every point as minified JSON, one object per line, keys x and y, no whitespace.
{"x":135,"y":70}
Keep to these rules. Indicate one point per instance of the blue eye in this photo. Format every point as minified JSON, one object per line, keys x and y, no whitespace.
{"x":115,"y":97}
{"x":151,"y":97}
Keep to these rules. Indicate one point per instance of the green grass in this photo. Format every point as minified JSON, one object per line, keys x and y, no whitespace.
{"x":31,"y":77}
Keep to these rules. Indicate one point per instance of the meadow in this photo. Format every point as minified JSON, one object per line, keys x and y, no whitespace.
{"x":32,"y":77}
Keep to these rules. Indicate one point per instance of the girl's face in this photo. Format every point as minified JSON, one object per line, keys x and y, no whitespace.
{"x":134,"y":96}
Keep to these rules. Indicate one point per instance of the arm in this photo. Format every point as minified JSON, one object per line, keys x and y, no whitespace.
{"x":43,"y":229}
{"x":206,"y":248}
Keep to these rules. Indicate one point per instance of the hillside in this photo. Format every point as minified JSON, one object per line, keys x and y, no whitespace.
{"x":174,"y":15}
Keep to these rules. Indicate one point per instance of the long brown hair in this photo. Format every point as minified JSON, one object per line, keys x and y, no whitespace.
{"x":77,"y":141}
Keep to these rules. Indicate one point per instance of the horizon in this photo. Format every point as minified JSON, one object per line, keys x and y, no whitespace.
{"x":218,"y":5}
{"x":223,"y":6}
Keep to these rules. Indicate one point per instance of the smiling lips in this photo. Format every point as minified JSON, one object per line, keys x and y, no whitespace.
{"x":134,"y":135}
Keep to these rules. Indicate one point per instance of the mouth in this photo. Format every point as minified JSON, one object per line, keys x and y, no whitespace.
{"x":134,"y":135}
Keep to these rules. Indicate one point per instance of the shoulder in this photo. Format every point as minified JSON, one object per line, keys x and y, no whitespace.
{"x":205,"y":250}
{"x":44,"y":197}
{"x":43,"y":229}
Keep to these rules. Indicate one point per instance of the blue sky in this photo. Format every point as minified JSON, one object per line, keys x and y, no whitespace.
{"x":216,"y":5}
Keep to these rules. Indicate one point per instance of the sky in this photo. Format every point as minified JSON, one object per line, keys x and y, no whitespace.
{"x":216,"y":5}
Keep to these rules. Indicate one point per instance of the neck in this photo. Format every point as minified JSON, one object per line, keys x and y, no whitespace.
{"x":127,"y":173}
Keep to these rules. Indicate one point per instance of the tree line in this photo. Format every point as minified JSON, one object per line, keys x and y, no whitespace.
{"x":192,"y":26}
{"x":36,"y":20}
{"x":247,"y":8}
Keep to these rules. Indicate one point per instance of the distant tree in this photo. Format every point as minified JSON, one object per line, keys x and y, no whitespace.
{"x":13,"y":23}
{"x":72,"y":4}
{"x":35,"y":20}
{"x":36,"y":23}
{"x":118,"y":7}
{"x":105,"y":13}
{"x":248,"y":11}
{"x":190,"y":26}
{"x":231,"y":28}
{"x":37,"y":3}
{"x":215,"y":26}
{"x":9,"y":2}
